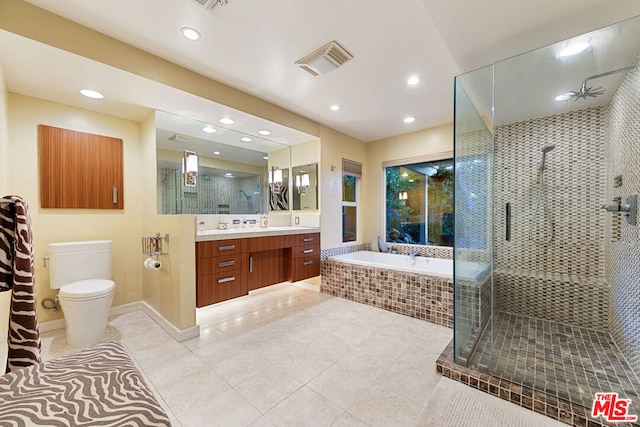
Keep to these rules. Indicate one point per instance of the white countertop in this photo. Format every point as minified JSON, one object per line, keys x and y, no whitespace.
{"x":241,"y":233}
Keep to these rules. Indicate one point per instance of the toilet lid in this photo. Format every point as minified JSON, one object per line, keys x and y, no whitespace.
{"x":90,"y":288}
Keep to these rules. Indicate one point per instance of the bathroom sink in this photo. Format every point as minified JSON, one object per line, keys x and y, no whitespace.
{"x":215,"y":234}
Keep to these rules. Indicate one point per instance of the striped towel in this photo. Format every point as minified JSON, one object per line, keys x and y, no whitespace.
{"x":16,"y":274}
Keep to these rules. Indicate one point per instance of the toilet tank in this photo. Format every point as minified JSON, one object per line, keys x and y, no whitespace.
{"x":73,"y":261}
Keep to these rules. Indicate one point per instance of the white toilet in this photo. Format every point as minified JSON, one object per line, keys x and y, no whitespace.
{"x":82,"y":272}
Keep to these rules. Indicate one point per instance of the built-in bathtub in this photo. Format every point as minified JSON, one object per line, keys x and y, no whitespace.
{"x":419,"y":287}
{"x":422,"y":265}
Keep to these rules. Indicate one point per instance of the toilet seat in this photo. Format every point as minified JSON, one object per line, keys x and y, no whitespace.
{"x":87,"y":289}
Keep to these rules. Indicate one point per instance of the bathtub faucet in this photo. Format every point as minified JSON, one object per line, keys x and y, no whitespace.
{"x":413,"y":255}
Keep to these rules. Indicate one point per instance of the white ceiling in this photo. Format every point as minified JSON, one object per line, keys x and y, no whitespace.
{"x":252,"y":46}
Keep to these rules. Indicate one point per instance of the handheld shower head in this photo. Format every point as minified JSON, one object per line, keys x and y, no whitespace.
{"x":545,"y":150}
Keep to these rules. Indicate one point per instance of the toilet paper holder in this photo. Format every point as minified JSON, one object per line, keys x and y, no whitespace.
{"x":152,"y":245}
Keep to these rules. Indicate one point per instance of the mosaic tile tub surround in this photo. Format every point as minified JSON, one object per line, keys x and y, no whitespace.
{"x":416,"y":295}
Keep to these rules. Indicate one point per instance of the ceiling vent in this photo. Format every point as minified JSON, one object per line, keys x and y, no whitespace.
{"x":210,"y":4}
{"x":179,"y":138}
{"x":327,"y":58}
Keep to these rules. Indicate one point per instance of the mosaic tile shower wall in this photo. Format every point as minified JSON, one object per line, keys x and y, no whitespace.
{"x":214,"y":194}
{"x":574,"y":178}
{"x":623,"y":249}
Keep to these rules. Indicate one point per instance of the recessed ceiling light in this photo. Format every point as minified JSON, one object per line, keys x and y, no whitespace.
{"x":335,"y":107}
{"x":413,"y":80}
{"x":226,"y":121}
{"x":209,"y":129}
{"x":246,"y":139}
{"x":228,"y":174}
{"x":190,"y":33}
{"x":574,"y":49}
{"x":409,"y":119}
{"x":563,"y":96}
{"x":404,"y":175}
{"x":90,"y":93}
{"x":217,"y":153}
{"x":266,"y":157}
{"x":264,"y":132}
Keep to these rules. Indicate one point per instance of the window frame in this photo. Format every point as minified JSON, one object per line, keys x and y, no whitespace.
{"x":436,"y":157}
{"x":353,"y":169}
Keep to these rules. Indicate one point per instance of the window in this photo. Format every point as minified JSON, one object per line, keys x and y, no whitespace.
{"x":351,"y":173}
{"x":419,"y":203}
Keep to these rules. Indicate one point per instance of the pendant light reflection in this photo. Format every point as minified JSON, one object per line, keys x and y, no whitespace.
{"x":190,"y":168}
{"x":275,"y":179}
{"x":402,"y":196}
{"x":302,"y":183}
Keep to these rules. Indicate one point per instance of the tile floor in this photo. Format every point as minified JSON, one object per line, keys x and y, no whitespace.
{"x":287,"y":356}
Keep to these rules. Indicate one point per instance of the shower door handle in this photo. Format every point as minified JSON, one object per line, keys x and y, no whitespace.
{"x":508,"y":222}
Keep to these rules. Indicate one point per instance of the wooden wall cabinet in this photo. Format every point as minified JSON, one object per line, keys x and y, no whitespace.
{"x":231,"y":268}
{"x":79,"y":170}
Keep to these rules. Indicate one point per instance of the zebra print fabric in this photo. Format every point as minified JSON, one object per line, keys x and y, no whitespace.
{"x":16,"y":274}
{"x":99,"y":386}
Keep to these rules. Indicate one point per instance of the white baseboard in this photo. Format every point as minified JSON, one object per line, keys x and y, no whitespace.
{"x":177,"y":334}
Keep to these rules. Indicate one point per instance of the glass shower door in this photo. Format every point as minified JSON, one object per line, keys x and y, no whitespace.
{"x":473,"y":246}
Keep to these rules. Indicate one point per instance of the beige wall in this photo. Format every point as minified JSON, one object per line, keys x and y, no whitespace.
{"x":4,"y":296}
{"x":335,"y":147}
{"x":54,"y":225}
{"x":422,"y":143}
{"x":171,"y":291}
{"x":306,"y":154}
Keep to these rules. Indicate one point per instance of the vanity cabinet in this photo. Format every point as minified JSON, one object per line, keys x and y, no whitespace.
{"x":305,"y":256}
{"x":231,"y":268}
{"x":220,"y":271}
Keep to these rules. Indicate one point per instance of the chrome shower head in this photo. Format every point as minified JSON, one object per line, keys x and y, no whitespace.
{"x":545,"y":150}
{"x":548,"y":148}
{"x":590,"y":92}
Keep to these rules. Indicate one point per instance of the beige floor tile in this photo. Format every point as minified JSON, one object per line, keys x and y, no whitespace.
{"x":305,"y":408}
{"x":192,"y":392}
{"x":348,"y":420}
{"x":174,"y":370}
{"x":218,"y":351}
{"x":268,"y":388}
{"x":152,"y":338}
{"x":262,"y":422}
{"x":379,"y":406}
{"x":207,"y":335}
{"x":340,"y":385}
{"x":412,"y":375}
{"x":306,"y":364}
{"x":160,"y":354}
{"x":240,"y":368}
{"x":228,"y":409}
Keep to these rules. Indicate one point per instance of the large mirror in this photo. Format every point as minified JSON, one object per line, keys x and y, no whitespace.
{"x":237,"y":173}
{"x":305,"y":187}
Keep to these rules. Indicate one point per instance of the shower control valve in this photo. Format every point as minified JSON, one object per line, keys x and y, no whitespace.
{"x":630,"y":209}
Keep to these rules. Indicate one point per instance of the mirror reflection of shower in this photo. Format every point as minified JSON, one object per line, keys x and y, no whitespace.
{"x":250,"y":206}
{"x":542,"y":206}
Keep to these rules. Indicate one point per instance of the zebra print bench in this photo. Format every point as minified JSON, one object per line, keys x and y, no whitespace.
{"x":96,"y":386}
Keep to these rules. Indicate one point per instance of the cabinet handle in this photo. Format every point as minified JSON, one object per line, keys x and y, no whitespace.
{"x":307,"y":263}
{"x":226,"y":264}
{"x":307,"y":251}
{"x":115,"y":195}
{"x":307,"y":239}
{"x":226,"y":248}
{"x":250,"y":264}
{"x":227,"y":279}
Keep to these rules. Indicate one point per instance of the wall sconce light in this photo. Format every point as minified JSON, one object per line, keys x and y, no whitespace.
{"x":402,"y":195}
{"x":275,"y":179}
{"x":190,"y":168}
{"x":302,"y":183}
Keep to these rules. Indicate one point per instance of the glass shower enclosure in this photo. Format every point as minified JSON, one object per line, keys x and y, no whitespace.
{"x":546,"y":256}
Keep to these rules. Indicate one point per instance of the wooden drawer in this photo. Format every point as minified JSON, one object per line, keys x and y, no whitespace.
{"x":306,"y":239}
{"x":304,"y":268}
{"x":215,"y":248}
{"x":221,"y":263}
{"x":217,"y":287}
{"x":305,"y":251}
